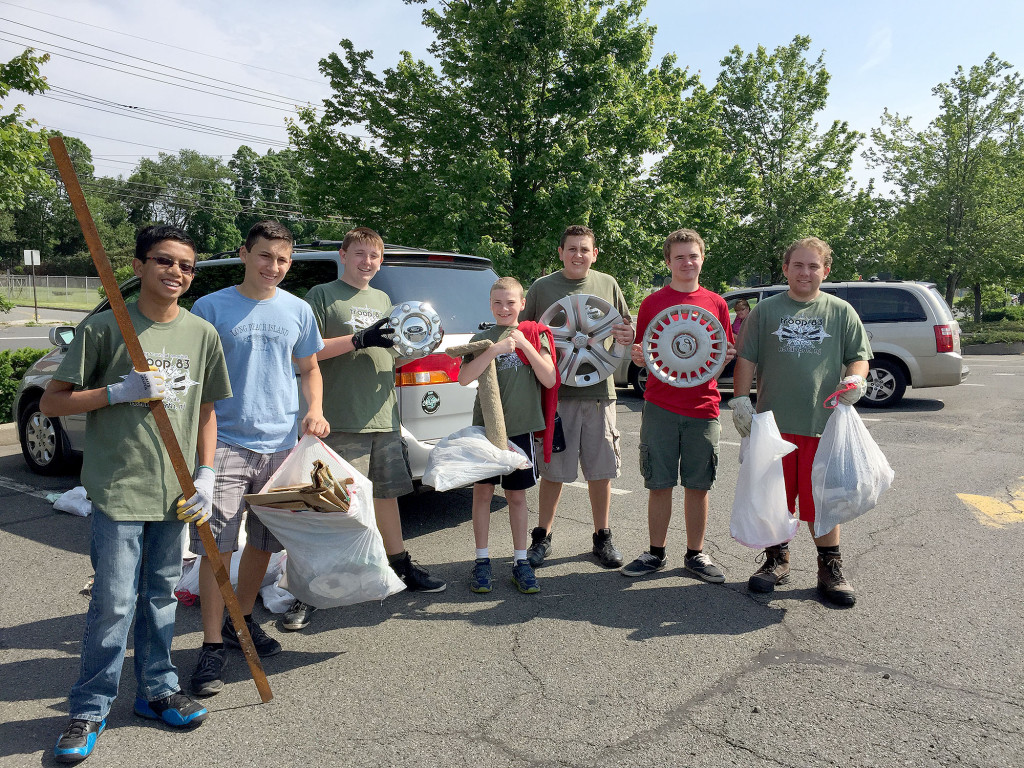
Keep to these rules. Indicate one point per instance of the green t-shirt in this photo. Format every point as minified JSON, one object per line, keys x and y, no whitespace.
{"x":801,"y":350}
{"x":125,"y":467}
{"x":359,"y":387}
{"x":518,"y":386}
{"x":546,"y":290}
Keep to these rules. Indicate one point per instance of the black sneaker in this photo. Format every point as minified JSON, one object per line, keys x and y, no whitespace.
{"x":700,"y":565}
{"x":297,"y":617}
{"x":206,"y":679}
{"x":540,"y":547}
{"x":265,"y":644}
{"x":78,"y":740}
{"x":415,"y":576}
{"x":177,"y":710}
{"x":643,"y":565}
{"x":605,"y":551}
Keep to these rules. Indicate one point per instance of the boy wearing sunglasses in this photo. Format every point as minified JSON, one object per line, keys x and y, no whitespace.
{"x":139,"y":515}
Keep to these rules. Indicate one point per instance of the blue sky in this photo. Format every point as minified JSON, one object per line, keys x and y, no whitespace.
{"x":880,"y":54}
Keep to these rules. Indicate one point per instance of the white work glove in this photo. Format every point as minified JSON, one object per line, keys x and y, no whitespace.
{"x":853,"y":395}
{"x":137,"y":387}
{"x":742,"y":414}
{"x":199,"y":507}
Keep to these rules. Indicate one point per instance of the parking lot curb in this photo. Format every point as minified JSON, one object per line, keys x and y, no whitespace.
{"x":8,"y":434}
{"x":998,"y":348}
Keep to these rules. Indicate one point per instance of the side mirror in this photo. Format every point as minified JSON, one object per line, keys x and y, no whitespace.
{"x":62,"y":335}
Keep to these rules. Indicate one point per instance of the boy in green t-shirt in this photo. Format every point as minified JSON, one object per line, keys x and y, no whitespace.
{"x":139,"y":516}
{"x":519,"y":386}
{"x":804,"y":345}
{"x":358,"y":367}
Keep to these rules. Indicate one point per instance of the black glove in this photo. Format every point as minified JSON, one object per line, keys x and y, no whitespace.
{"x":380,"y":334}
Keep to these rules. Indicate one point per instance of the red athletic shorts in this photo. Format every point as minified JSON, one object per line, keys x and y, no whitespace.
{"x":796,"y":468}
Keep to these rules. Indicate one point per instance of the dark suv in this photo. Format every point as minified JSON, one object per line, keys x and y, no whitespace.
{"x":431,"y":403}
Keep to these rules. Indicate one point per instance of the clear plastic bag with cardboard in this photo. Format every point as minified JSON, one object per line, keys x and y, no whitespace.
{"x":760,"y":515}
{"x":335,"y":558}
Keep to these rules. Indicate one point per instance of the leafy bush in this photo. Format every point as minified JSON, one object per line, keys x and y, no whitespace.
{"x":13,"y":364}
{"x":1015,"y":314}
{"x":5,"y":304}
{"x":992,"y":336}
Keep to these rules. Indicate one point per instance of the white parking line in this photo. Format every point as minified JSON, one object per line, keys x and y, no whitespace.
{"x":1004,"y":374}
{"x":29,"y":490}
{"x":971,"y":384}
{"x":615,"y":491}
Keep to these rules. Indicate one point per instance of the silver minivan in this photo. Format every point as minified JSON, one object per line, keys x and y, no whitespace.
{"x":431,"y":403}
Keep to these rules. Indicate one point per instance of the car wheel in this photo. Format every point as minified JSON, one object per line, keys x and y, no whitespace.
{"x":638,"y":377}
{"x":886,"y":384}
{"x":42,"y":441}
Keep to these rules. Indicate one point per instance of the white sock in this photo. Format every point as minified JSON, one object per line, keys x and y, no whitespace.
{"x":482,"y":553}
{"x":519,"y":554}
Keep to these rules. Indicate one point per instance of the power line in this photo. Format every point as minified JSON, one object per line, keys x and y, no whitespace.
{"x":66,"y":132}
{"x":169,"y":122}
{"x":134,"y":73}
{"x":255,"y":91}
{"x":152,"y":41}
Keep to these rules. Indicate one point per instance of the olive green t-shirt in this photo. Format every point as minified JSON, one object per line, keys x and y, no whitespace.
{"x":125,"y":467}
{"x":546,"y":290}
{"x":801,"y":350}
{"x":517,"y":384}
{"x":359,"y":386}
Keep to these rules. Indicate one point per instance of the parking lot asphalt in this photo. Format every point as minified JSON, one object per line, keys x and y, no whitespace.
{"x":598,"y":669}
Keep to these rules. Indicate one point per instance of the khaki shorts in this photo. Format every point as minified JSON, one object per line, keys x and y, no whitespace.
{"x":591,"y":442}
{"x":381,"y":456}
{"x":238,"y":471}
{"x":676,"y":449}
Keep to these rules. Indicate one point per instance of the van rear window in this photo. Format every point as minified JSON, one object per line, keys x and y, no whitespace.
{"x":886,"y":305}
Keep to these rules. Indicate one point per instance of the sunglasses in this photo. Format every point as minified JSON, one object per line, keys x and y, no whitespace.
{"x":186,"y":267}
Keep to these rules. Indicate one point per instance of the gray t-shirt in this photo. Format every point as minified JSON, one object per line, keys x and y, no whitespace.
{"x":546,"y":290}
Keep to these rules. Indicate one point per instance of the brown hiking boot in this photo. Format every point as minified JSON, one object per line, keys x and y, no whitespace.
{"x":832,"y":585}
{"x":774,"y":570}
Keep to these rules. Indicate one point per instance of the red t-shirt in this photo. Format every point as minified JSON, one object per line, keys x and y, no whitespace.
{"x":700,"y":402}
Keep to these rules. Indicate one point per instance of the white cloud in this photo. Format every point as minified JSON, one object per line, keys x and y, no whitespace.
{"x":879,"y":47}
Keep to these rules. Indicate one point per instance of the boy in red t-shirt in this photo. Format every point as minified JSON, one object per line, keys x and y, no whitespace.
{"x":679,"y":429}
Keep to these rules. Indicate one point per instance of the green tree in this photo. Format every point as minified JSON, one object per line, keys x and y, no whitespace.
{"x":21,"y":148}
{"x":801,"y":184}
{"x":960,"y":181}
{"x":190,"y":190}
{"x":539,"y":114}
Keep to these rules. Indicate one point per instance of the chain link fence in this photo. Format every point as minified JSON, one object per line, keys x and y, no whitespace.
{"x":56,"y":291}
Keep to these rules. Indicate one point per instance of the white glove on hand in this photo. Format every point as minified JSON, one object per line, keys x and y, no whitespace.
{"x":137,"y":387}
{"x":852,"y":396}
{"x":742,"y":414}
{"x":198,"y":508}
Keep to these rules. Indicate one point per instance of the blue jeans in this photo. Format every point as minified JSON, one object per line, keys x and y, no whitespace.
{"x":137,"y":567}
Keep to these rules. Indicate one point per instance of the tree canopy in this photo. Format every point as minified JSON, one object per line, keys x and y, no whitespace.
{"x":21,"y":148}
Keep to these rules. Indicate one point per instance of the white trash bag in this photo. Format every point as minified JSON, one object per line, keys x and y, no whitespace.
{"x":467,"y":457}
{"x":849,"y":472}
{"x":334,"y":558}
{"x":760,"y":515}
{"x":74,"y":502}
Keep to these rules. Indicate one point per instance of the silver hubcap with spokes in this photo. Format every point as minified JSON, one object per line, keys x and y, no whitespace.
{"x":685,"y":346}
{"x":581,"y":325}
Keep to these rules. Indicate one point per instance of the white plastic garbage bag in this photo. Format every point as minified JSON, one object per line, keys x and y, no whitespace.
{"x":849,"y":472}
{"x":187,"y":590}
{"x":74,"y":502}
{"x":466,"y":457}
{"x":760,"y":516}
{"x":329,"y":552}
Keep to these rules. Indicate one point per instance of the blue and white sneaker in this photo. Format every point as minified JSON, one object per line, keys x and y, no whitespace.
{"x":177,"y":710}
{"x":524,"y":578}
{"x":78,"y":740}
{"x":481,"y":581}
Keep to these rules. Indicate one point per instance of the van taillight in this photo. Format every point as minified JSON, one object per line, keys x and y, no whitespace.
{"x":943,"y":338}
{"x":432,"y":369}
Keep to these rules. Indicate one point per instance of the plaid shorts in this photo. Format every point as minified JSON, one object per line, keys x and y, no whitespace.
{"x":239,"y":471}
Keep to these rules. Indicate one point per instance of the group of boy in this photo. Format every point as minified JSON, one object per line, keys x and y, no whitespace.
{"x":252,"y":338}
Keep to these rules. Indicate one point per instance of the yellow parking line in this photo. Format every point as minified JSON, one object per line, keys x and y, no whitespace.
{"x":996,"y":513}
